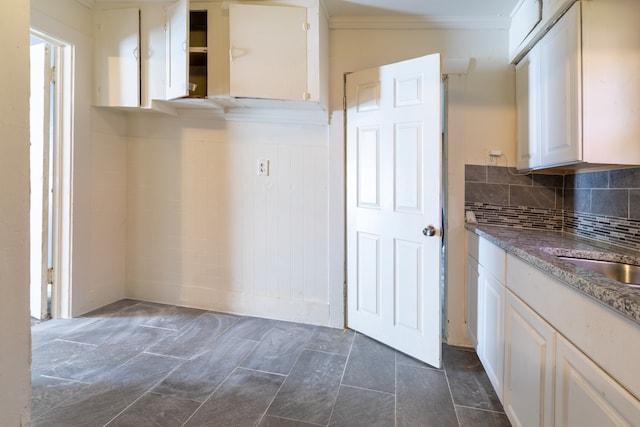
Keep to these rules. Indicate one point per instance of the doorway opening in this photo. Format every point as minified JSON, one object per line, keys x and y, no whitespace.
{"x":50,"y":136}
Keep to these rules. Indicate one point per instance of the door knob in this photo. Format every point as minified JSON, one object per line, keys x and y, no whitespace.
{"x":429,"y":231}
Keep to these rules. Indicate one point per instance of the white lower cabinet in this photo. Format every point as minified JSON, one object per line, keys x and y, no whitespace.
{"x":554,"y":356}
{"x":528,"y":372}
{"x":585,"y":395}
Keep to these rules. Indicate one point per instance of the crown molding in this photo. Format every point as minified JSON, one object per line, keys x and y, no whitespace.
{"x":418,"y":23}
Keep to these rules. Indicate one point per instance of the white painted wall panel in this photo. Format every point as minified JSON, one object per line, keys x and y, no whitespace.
{"x":207,"y":231}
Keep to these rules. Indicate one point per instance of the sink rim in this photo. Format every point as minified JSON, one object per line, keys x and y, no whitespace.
{"x":604,"y":267}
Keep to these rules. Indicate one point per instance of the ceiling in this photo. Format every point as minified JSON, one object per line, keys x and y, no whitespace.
{"x":468,"y":9}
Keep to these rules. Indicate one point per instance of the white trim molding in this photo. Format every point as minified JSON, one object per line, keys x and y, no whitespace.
{"x":418,"y":23}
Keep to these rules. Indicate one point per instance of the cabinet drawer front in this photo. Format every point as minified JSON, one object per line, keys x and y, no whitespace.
{"x":490,"y":256}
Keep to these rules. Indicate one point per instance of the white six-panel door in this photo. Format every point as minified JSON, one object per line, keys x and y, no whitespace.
{"x":393,"y":194}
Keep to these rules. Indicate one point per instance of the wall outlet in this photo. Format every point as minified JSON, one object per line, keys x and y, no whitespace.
{"x":263,"y":167}
{"x":492,"y":159}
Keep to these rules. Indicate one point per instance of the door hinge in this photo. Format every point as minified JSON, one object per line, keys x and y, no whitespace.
{"x":306,"y":26}
{"x":52,"y":74}
{"x":344,"y":103}
{"x":50,"y":276}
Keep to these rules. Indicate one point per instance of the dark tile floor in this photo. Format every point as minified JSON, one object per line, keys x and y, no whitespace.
{"x":135,"y":363}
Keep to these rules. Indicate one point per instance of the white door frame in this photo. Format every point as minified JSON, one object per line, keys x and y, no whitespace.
{"x":62,"y":177}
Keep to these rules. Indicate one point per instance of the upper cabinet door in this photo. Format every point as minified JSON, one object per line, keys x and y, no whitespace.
{"x":528,"y":110}
{"x":118,"y":57}
{"x":177,"y":28}
{"x":268,"y":51}
{"x":561,"y":91}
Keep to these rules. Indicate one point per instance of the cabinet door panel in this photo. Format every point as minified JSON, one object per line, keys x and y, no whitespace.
{"x":561,"y":91}
{"x":490,"y":327}
{"x":268,"y":51}
{"x":528,"y":110}
{"x":472,"y":300}
{"x":587,"y":396}
{"x":177,"y":28}
{"x":528,"y":372}
{"x":118,"y":58}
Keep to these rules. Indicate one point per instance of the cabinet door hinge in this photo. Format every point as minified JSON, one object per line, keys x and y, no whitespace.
{"x":306,"y":26}
{"x":50,"y":276}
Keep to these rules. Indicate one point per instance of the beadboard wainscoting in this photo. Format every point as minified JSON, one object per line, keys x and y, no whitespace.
{"x":601,"y":205}
{"x":205,"y":230}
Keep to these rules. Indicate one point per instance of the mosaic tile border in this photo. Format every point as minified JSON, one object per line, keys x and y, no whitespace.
{"x":516,"y":216}
{"x":617,"y":231}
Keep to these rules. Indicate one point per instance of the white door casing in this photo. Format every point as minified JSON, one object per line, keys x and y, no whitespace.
{"x":394,"y":151}
{"x":40,"y":113}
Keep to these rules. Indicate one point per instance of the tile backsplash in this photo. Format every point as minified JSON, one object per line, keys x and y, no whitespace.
{"x":602,"y":205}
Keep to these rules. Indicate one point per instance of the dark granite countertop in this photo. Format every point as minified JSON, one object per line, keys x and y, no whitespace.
{"x":540,"y":249}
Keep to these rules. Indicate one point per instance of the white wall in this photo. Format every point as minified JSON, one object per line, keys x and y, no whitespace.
{"x":204,"y":230}
{"x":14,"y":214}
{"x":481,"y":117}
{"x":107,"y":212}
{"x":95,"y":239}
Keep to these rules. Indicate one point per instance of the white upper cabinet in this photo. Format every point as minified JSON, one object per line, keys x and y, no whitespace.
{"x":268,"y":51}
{"x":577,"y":89}
{"x":236,"y":57}
{"x":118,"y":58}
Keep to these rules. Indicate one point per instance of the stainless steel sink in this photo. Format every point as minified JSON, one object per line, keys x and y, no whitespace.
{"x":625,"y":273}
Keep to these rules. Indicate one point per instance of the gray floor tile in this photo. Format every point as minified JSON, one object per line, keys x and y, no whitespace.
{"x":115,"y":327}
{"x":46,"y":332}
{"x":371,"y":365}
{"x":403,"y":359}
{"x":240,"y":401}
{"x":103,"y":400}
{"x":145,"y":364}
{"x":423,"y":398}
{"x":156,"y":410}
{"x":197,"y":378}
{"x":55,"y":353}
{"x":47,"y":393}
{"x":196,"y":336}
{"x":356,"y":407}
{"x":90,"y":365}
{"x":251,"y":328}
{"x":471,"y":417}
{"x":279,"y":348}
{"x":111,"y":309}
{"x":469,"y":383}
{"x":269,"y":421}
{"x":174,"y":318}
{"x":331,"y":340}
{"x":310,"y":390}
